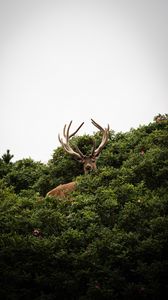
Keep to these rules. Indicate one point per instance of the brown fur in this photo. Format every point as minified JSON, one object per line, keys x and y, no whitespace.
{"x":63,"y":189}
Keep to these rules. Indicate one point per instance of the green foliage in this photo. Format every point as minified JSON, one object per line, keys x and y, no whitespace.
{"x":109,"y":240}
{"x":63,"y":168}
{"x":23,"y":174}
{"x":26,"y":174}
{"x":7,"y":157}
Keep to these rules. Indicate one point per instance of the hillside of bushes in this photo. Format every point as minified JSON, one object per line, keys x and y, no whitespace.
{"x":108,"y":240}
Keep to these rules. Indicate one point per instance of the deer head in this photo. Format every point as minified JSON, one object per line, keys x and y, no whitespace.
{"x":89,"y":161}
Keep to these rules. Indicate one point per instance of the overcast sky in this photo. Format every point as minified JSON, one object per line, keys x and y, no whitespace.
{"x":66,"y":60}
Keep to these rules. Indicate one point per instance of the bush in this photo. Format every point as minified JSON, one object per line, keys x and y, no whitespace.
{"x":108,"y":241}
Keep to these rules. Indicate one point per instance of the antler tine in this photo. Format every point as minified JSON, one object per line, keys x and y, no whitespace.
{"x":79,"y":151}
{"x":103,"y":142}
{"x":67,"y":133}
{"x":60,"y":140}
{"x":64,"y":130}
{"x":93,"y":147}
{"x":76,"y":130}
{"x":66,"y":144}
{"x":97,"y":125}
{"x":105,"y":136}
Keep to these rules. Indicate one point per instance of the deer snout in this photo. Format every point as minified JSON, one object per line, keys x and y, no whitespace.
{"x":88,"y":169}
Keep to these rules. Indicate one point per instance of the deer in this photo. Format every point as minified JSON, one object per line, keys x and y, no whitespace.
{"x":88,"y":161}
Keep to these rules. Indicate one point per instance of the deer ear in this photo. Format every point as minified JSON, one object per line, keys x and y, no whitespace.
{"x":81,"y":160}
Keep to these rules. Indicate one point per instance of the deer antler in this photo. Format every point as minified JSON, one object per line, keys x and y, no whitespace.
{"x":106,"y":131}
{"x":78,"y":154}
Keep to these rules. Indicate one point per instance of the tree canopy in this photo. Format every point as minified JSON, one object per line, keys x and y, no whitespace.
{"x":109,"y":240}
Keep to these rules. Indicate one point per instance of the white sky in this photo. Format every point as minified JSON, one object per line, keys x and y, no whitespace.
{"x":75,"y":60}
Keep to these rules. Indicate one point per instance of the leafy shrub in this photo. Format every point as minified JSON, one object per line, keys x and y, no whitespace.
{"x":108,"y":241}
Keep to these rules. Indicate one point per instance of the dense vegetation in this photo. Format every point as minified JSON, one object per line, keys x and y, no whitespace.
{"x":107,"y":240}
